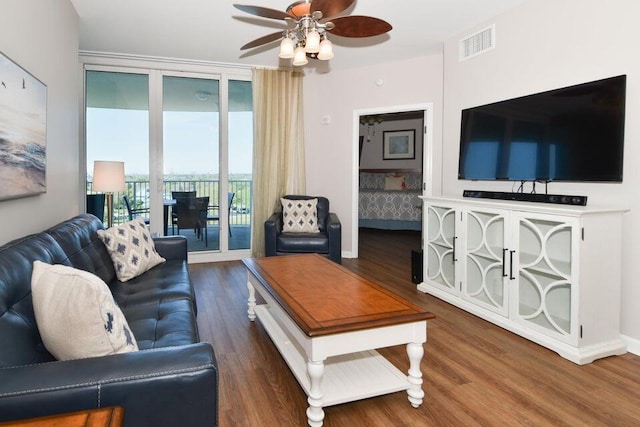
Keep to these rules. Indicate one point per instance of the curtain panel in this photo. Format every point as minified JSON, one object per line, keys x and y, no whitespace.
{"x":278,"y":149}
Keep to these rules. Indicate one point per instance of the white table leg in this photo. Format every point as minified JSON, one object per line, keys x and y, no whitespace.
{"x":251,"y":302}
{"x":415,"y":352}
{"x":315,"y":414}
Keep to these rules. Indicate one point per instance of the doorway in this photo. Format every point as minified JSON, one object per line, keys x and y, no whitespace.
{"x":391,"y":165}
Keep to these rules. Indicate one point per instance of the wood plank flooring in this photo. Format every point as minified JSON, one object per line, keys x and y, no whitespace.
{"x":475,"y":373}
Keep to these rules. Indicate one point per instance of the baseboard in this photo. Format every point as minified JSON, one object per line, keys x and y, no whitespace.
{"x":633,"y":345}
{"x":347,"y":254}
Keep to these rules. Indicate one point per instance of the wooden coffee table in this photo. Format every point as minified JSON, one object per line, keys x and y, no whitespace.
{"x":99,"y":417}
{"x":327,"y":321}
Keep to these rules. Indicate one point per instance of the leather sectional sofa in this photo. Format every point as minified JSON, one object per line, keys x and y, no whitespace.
{"x":172,"y":380}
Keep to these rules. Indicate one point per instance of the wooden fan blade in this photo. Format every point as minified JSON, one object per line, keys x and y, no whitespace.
{"x":359,"y":26}
{"x":264,"y":12}
{"x":262,"y":40}
{"x":330,"y":7}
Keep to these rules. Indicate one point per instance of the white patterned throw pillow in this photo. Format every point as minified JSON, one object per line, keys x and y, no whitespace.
{"x":131,"y":248}
{"x":76,"y":314}
{"x":300,"y":216}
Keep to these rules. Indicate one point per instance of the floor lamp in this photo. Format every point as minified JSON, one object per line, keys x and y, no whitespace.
{"x":108,"y":177}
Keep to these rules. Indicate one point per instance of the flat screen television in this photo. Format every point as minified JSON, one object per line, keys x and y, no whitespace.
{"x":571,"y":134}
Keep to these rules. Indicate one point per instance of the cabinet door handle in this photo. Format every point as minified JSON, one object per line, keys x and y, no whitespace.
{"x":455,"y":240}
{"x":504,"y":260}
{"x":511,"y":276}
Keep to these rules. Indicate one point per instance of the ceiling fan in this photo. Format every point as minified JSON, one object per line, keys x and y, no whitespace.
{"x":310,"y":22}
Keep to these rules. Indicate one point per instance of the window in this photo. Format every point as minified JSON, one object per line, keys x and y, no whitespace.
{"x":177,"y":131}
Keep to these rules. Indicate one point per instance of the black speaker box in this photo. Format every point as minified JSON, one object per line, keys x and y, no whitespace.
{"x":527,"y":197}
{"x":416,"y":266}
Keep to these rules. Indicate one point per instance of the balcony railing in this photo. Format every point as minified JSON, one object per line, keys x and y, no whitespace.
{"x":138,"y":192}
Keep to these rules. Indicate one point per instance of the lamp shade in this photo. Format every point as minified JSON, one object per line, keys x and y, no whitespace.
{"x":299,"y":57}
{"x":286,"y":48}
{"x":312,"y":43}
{"x":108,"y":176}
{"x":326,"y":50}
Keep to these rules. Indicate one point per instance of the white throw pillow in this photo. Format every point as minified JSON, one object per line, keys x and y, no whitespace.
{"x":131,"y":248}
{"x":300,"y":216}
{"x":394,"y":183}
{"x":76,"y":314}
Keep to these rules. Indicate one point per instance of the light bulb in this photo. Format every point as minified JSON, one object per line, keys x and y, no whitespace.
{"x":286,"y":48}
{"x":312,"y":43}
{"x":326,"y":50}
{"x":299,"y":57}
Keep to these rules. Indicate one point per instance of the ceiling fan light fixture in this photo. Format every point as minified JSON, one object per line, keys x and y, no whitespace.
{"x":300,"y":8}
{"x":312,"y":41}
{"x":286,"y":48}
{"x":326,"y":50}
{"x":300,"y":57}
{"x":308,"y":26}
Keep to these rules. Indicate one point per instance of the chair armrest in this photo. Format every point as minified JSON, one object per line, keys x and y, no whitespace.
{"x":334,"y":233}
{"x":161,"y":387}
{"x":171,"y":247}
{"x":272,"y":227}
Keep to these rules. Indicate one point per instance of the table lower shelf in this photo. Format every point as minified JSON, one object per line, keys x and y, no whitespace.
{"x":346,"y":377}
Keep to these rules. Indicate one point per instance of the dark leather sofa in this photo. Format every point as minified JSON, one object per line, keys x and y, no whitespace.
{"x":171,"y":381}
{"x":328,"y":242}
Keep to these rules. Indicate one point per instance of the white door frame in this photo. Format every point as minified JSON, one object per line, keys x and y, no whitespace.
{"x":427,"y":157}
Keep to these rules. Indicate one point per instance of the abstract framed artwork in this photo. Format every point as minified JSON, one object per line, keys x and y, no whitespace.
{"x":23,"y":132}
{"x":399,"y":144}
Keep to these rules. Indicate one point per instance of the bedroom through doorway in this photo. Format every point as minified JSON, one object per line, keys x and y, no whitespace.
{"x":392,"y":172}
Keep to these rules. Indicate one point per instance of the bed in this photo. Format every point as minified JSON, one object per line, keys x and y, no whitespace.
{"x":388,"y":199}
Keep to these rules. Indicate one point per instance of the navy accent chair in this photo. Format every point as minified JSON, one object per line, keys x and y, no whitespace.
{"x":328,"y":242}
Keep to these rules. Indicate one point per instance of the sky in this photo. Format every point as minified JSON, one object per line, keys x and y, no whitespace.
{"x":190,"y":140}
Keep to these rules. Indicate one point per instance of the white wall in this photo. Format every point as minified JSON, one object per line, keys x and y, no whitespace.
{"x":330,"y":147}
{"x":42,"y":37}
{"x":546,"y":44}
{"x":372,"y":147}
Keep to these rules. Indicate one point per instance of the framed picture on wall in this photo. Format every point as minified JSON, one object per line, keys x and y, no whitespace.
{"x":399,"y":144}
{"x":23,"y":132}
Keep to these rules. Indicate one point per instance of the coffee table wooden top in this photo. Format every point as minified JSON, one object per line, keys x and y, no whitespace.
{"x":324,"y":298}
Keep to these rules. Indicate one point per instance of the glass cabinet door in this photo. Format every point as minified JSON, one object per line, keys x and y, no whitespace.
{"x":544,"y":296}
{"x":441,"y":247}
{"x":486,"y":280}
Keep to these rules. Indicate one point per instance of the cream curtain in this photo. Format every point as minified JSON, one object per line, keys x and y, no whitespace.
{"x":278,"y":148}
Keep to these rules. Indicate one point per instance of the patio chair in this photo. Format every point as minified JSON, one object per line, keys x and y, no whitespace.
{"x":95,"y":205}
{"x":186,"y":214}
{"x":202,"y":206}
{"x":216,"y":217}
{"x":135,"y":212}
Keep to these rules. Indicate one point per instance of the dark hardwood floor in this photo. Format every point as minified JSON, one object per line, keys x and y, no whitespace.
{"x":475,"y":373}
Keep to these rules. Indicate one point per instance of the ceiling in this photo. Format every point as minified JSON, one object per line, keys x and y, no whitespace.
{"x":213,"y":30}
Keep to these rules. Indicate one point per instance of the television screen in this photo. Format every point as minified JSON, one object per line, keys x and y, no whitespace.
{"x":570,"y":134}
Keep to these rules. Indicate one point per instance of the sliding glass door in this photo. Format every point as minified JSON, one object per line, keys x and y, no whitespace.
{"x":180,"y":135}
{"x":191,"y":158}
{"x":117,"y":129}
{"x":240,"y":160}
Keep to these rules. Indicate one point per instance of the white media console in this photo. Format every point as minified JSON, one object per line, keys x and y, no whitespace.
{"x":550,"y":273}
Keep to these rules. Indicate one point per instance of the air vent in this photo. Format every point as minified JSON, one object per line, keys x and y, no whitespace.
{"x":478,"y":43}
